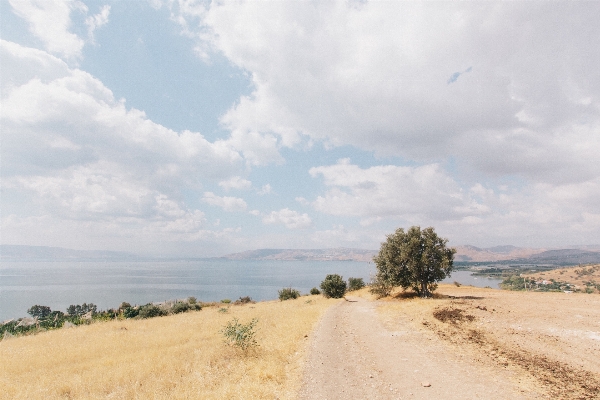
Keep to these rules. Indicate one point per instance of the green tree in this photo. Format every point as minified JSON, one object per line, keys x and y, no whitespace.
{"x":355,"y":284}
{"x":39,"y":311}
{"x":333,"y":286}
{"x":415,"y":259}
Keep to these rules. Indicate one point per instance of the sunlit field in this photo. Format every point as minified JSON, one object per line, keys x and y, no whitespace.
{"x":181,"y":356}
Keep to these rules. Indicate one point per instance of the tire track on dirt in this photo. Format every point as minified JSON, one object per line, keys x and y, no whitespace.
{"x":353,"y":356}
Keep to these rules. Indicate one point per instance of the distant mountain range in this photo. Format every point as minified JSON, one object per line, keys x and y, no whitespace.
{"x":43,"y":253}
{"x":498,"y":254}
{"x":337,"y":254}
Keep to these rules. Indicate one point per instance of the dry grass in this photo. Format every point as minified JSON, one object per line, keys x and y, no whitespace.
{"x":176,"y":357}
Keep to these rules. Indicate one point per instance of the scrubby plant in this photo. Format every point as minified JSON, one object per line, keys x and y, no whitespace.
{"x":244,"y":300}
{"x":288,"y":293}
{"x":226,"y":301}
{"x":315,"y":291}
{"x":39,"y":311}
{"x":124,"y":305}
{"x":180,"y":307}
{"x":355,"y":284}
{"x":151,"y":311}
{"x":131,"y":312}
{"x":333,"y":286}
{"x":79,"y":310}
{"x":240,"y":335}
{"x":192,"y":300}
{"x":381,"y":288}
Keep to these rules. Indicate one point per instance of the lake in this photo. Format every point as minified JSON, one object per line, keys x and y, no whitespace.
{"x":107,"y":284}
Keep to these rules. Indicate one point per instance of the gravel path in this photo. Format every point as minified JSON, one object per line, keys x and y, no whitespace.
{"x":353,"y":356}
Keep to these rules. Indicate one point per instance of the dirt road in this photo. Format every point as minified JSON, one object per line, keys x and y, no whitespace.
{"x":353,"y":355}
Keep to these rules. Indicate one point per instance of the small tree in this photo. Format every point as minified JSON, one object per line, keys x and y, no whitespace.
{"x":39,"y":311}
{"x":288,"y":293}
{"x":415,"y":259}
{"x":315,"y":291}
{"x":355,"y":284}
{"x":333,"y":286}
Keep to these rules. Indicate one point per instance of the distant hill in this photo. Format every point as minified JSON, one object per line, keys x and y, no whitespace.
{"x":497,"y":253}
{"x":337,"y":254}
{"x":43,"y":253}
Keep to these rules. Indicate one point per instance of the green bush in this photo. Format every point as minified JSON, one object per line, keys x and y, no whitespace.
{"x":244,"y":300}
{"x":131,"y":312}
{"x":151,"y":311}
{"x":180,"y":307}
{"x":191,"y":300}
{"x":315,"y":291}
{"x":240,"y":335}
{"x":39,"y":311}
{"x":79,"y":310}
{"x":288,"y":293}
{"x":333,"y":286}
{"x":226,"y":301}
{"x":381,"y":288}
{"x":355,"y":284}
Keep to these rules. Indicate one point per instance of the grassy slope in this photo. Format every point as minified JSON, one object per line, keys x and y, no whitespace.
{"x":181,"y":356}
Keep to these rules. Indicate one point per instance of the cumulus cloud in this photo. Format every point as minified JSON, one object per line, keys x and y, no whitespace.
{"x":265,"y":189}
{"x":96,"y":21}
{"x":235,"y":182}
{"x":70,"y":150}
{"x":225,"y":202}
{"x":414,"y":193}
{"x":291,"y":219}
{"x":50,"y":21}
{"x":376,"y":76}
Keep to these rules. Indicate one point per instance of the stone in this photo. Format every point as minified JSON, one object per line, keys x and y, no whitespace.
{"x":425,"y":384}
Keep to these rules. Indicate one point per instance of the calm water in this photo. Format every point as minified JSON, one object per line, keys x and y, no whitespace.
{"x":107,"y":284}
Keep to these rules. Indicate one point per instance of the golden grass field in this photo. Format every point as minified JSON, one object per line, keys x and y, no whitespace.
{"x":182,"y":356}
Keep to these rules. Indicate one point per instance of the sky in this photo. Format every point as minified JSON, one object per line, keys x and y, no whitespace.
{"x":198,"y":128}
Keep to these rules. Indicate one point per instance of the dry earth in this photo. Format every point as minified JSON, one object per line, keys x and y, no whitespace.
{"x":468,"y":343}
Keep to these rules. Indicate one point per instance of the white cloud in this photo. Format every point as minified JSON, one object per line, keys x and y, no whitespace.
{"x":291,"y":219}
{"x":96,"y":21}
{"x":265,"y":189}
{"x":392,"y":191}
{"x":235,"y":182}
{"x":50,"y":21}
{"x":225,"y":202}
{"x":382,"y":76}
{"x":71,"y":151}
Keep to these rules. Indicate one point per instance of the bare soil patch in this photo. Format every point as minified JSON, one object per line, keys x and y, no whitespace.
{"x":466,"y":343}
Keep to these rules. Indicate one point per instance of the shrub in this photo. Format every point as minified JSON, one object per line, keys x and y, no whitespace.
{"x":131,"y":312}
{"x":180,"y":307}
{"x":79,"y":310}
{"x":315,"y":291}
{"x":191,"y":300}
{"x":151,"y":311}
{"x":244,"y":300}
{"x":240,"y":335}
{"x":381,"y":288}
{"x":457,"y":284}
{"x":333,"y":286}
{"x":124,"y":305}
{"x":355,"y":284}
{"x":39,"y":311}
{"x":288,"y":293}
{"x":226,"y":301}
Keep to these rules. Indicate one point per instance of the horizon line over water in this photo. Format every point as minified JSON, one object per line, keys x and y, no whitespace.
{"x":108,"y":283}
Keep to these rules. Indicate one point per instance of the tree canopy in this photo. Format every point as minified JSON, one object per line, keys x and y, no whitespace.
{"x":416,"y":259}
